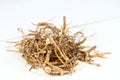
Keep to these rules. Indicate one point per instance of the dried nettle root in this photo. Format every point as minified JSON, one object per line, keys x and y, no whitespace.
{"x":54,"y":49}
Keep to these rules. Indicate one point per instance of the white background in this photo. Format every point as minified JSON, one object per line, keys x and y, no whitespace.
{"x":101,"y":17}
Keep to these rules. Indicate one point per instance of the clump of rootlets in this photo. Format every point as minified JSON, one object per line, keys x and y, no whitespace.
{"x":54,"y":49}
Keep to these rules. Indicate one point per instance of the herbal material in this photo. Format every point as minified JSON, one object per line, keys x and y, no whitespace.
{"x":54,"y":49}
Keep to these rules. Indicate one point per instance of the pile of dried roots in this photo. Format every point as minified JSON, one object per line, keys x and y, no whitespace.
{"x":54,"y":49}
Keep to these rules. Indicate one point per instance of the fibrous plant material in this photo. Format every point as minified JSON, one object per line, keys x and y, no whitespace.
{"x":54,"y":49}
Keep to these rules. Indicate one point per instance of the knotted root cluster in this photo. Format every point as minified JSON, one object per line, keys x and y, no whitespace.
{"x":54,"y":49}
